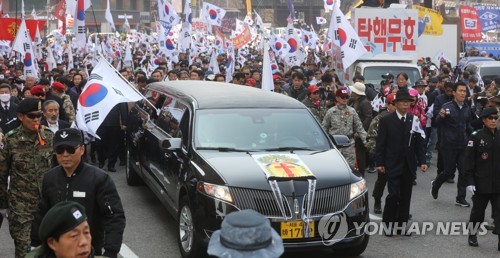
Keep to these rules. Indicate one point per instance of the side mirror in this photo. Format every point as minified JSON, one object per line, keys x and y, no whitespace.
{"x":171,"y":144}
{"x":340,"y":141}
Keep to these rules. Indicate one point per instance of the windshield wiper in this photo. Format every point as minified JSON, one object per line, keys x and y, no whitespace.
{"x":223,"y":149}
{"x":289,"y":149}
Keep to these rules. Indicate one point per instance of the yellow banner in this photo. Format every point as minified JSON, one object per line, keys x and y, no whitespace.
{"x":283,"y":167}
{"x":432,"y":20}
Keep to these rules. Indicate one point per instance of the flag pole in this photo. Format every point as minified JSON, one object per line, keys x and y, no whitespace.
{"x":128,"y":83}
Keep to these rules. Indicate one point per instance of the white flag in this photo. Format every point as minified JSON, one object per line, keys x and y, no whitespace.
{"x":72,"y":4}
{"x":248,"y":20}
{"x":328,"y":5}
{"x":344,"y":35}
{"x":279,"y":45}
{"x":79,"y":25}
{"x":168,"y":17}
{"x":126,"y":25}
{"x":213,"y":14}
{"x":20,"y":44}
{"x":109,"y":18}
{"x":320,"y":20}
{"x":104,"y":90}
{"x":230,"y":60}
{"x":33,"y":13}
{"x":69,"y":51}
{"x":214,"y":65}
{"x":51,"y":61}
{"x":37,"y":44}
{"x":267,"y":72}
{"x":128,"y":54}
{"x":416,"y":128}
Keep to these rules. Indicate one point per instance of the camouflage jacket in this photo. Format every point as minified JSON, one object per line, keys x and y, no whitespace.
{"x":344,"y":121}
{"x":371,"y":137}
{"x":318,"y":112}
{"x":25,"y":160}
{"x":68,"y":107}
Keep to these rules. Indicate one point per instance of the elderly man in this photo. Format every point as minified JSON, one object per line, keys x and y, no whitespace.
{"x":343,"y":120}
{"x":51,"y":116}
{"x":65,"y":232}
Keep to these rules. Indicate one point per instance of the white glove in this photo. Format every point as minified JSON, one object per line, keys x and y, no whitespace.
{"x":471,"y":189}
{"x":4,"y":212}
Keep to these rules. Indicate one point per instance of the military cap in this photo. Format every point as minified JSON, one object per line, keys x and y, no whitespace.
{"x":61,"y":218}
{"x":29,"y":105}
{"x":342,"y":93}
{"x":38,"y":89}
{"x":488,"y":111}
{"x":68,"y":136}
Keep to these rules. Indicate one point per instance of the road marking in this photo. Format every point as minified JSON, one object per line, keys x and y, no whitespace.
{"x":374,"y":217}
{"x":125,"y":252}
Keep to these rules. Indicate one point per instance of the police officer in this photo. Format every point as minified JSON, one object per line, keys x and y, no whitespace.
{"x":343,"y":119}
{"x":75,"y":180}
{"x":482,"y":172}
{"x":26,"y":155}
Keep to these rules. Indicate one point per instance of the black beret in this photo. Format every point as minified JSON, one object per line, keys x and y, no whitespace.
{"x":29,"y":105}
{"x":488,"y":111}
{"x":61,"y":218}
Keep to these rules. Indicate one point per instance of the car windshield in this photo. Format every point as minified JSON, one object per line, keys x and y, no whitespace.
{"x":489,"y":71}
{"x":374,"y":74}
{"x":258,"y":130}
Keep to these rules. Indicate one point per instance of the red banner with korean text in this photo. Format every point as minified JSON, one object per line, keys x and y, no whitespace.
{"x":387,"y":33}
{"x":60,"y":12}
{"x":471,"y":27}
{"x":8,"y":27}
{"x":242,"y":39}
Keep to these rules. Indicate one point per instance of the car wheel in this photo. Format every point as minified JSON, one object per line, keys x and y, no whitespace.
{"x":188,"y":243}
{"x":355,"y":250}
{"x":133,"y":178}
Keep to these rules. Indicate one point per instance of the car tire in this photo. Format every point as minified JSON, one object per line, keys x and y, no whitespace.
{"x":355,"y":250}
{"x":133,"y":179}
{"x":186,"y":235}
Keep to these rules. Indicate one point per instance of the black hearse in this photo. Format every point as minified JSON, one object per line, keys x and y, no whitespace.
{"x":207,"y":149}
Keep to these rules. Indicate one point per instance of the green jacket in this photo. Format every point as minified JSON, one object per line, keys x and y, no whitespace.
{"x":371,"y":137}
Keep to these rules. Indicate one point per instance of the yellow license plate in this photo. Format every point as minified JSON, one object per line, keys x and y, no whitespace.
{"x":293,"y":229}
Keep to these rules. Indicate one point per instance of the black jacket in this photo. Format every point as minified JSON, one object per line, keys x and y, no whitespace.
{"x":397,"y":148}
{"x":482,"y":161}
{"x":455,"y":127}
{"x":8,"y":119}
{"x":96,"y":191}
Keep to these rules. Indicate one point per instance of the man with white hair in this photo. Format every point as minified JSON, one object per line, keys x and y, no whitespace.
{"x":51,"y":116}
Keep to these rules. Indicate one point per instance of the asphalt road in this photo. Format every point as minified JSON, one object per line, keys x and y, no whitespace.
{"x":151,"y":231}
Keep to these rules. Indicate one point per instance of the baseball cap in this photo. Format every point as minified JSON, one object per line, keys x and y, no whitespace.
{"x":68,"y":136}
{"x":342,"y":93}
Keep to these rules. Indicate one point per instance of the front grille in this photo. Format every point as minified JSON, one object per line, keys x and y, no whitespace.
{"x":330,"y":200}
{"x":260,"y":201}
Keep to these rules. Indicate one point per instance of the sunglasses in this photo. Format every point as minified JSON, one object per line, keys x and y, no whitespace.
{"x":69,"y":149}
{"x":316,"y":92}
{"x":34,"y":115}
{"x":492,"y":117}
{"x":344,"y":97}
{"x":39,"y":95}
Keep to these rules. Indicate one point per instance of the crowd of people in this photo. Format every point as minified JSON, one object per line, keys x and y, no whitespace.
{"x":445,"y":111}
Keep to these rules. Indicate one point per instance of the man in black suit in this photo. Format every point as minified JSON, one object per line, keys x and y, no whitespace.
{"x":51,"y":116}
{"x":8,"y":110}
{"x":400,"y":148}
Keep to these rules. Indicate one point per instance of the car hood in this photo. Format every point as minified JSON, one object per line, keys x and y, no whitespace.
{"x":239,"y":169}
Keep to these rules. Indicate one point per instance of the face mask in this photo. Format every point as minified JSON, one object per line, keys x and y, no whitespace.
{"x":5,"y":97}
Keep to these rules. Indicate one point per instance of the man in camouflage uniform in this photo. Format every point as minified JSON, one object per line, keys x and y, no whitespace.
{"x":343,"y":120}
{"x":26,"y":155}
{"x":314,"y":103}
{"x":371,"y":139}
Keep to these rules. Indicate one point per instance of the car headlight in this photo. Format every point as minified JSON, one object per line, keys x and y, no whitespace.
{"x":357,"y":189}
{"x":216,"y":191}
